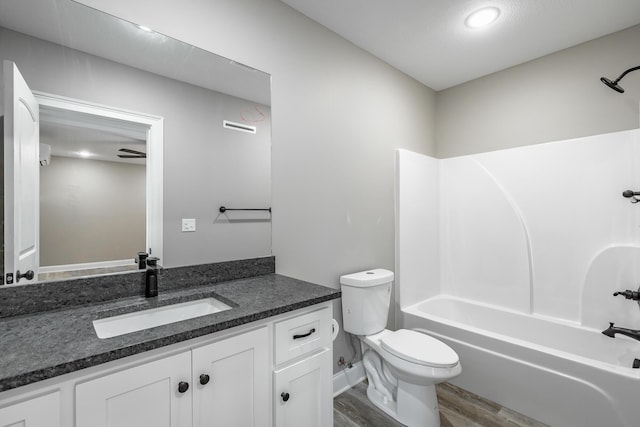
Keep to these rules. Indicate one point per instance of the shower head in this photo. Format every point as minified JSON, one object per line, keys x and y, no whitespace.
{"x":614,"y":84}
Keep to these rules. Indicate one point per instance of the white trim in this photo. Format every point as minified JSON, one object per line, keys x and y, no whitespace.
{"x":348,"y":378}
{"x":86,"y":265}
{"x":154,"y":166}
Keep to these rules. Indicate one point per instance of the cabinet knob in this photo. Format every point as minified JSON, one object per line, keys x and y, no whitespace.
{"x":183,"y":386}
{"x":285,"y":396}
{"x":204,"y":379}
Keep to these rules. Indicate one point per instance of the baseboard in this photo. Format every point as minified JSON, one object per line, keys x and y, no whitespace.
{"x":347,"y":378}
{"x":87,"y":265}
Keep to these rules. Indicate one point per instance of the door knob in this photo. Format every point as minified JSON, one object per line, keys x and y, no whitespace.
{"x":285,"y":396}
{"x":183,"y":386}
{"x":204,"y":379}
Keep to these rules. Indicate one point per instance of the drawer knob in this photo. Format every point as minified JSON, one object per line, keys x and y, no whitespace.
{"x":285,"y":396}
{"x":312,"y":330}
{"x":204,"y":379}
{"x":183,"y":386}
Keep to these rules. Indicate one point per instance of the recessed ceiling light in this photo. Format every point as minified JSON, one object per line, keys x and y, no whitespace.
{"x":84,"y":153}
{"x":482,"y":17}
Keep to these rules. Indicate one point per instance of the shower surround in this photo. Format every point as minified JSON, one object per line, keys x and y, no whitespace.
{"x":540,"y":231}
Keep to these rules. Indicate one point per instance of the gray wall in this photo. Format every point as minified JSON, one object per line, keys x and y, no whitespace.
{"x":91,"y":211}
{"x":205,"y":166}
{"x":338,"y":113}
{"x":556,"y":97}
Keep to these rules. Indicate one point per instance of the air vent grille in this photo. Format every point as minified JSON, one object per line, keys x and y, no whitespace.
{"x":238,"y":126}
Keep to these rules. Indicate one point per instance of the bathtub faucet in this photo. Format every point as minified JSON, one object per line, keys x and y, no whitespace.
{"x":611,"y":331}
{"x":629,"y":294}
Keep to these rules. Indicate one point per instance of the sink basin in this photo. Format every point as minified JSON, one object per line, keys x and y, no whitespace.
{"x":132,"y":322}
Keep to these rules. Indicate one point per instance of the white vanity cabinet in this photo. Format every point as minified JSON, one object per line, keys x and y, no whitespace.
{"x":226,"y":383}
{"x":41,"y":411}
{"x":231,"y":381}
{"x":145,"y":395}
{"x":233,"y":378}
{"x":302,"y":378}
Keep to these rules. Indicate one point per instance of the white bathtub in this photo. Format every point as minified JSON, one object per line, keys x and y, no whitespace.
{"x":557,"y":372}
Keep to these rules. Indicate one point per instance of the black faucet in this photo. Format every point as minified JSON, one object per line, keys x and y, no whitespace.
{"x":151,"y":278}
{"x":629,"y":294}
{"x":611,"y":331}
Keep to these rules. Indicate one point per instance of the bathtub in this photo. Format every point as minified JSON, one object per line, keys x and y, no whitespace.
{"x":559,"y":373}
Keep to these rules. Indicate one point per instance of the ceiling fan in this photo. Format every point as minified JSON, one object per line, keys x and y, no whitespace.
{"x":133,"y":154}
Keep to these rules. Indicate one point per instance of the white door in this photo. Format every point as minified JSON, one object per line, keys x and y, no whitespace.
{"x":231,"y":382}
{"x":21,"y":178}
{"x":303,"y":393}
{"x":156,"y":394}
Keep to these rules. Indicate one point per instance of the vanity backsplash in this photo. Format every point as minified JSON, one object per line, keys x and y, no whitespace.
{"x":39,"y":297}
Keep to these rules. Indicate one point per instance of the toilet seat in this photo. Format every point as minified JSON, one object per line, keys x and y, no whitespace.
{"x":419,"y":348}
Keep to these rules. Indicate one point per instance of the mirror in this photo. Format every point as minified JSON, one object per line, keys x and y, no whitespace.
{"x":213,"y":118}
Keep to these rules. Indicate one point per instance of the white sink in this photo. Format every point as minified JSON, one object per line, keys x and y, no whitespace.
{"x":132,"y":322}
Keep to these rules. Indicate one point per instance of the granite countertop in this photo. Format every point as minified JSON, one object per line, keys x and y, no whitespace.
{"x":38,"y":346}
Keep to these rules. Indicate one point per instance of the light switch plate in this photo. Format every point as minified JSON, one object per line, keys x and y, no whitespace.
{"x":188,"y":224}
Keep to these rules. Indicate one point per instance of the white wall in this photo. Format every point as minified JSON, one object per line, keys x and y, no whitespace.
{"x":418,"y":219}
{"x":556,"y":97}
{"x":91,"y":211}
{"x":338,"y":113}
{"x":542,"y":229}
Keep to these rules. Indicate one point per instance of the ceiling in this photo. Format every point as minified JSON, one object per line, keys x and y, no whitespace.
{"x":74,"y":25}
{"x":99,"y":144}
{"x":428,"y":40}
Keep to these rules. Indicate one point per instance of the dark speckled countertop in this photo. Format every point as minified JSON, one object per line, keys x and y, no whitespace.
{"x":38,"y":346}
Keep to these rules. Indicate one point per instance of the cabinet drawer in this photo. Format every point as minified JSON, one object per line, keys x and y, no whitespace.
{"x":302,"y":334}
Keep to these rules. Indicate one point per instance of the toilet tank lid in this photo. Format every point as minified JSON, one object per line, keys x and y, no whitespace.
{"x":363,"y":279}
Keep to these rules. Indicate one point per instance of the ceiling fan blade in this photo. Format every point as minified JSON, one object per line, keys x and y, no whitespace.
{"x":131,"y":156}
{"x":127,"y":150}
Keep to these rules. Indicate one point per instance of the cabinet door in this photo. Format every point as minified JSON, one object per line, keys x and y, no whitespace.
{"x":145,"y":395}
{"x":303,"y":393}
{"x":234,"y":388}
{"x":43,"y":411}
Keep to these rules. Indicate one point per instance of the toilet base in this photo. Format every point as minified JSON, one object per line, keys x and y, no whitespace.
{"x":415,"y":405}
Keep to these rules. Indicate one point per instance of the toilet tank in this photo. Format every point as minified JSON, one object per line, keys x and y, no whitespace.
{"x":365,"y":301}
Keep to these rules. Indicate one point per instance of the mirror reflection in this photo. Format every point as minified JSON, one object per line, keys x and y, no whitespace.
{"x":106,"y":189}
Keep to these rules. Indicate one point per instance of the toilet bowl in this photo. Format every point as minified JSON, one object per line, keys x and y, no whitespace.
{"x":415,"y":357}
{"x":402,"y":366}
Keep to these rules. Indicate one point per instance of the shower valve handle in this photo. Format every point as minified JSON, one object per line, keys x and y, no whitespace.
{"x":628,"y":294}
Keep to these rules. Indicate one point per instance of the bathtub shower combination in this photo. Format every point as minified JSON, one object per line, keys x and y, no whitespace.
{"x":512,"y":259}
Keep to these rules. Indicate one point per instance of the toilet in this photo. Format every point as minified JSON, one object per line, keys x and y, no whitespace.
{"x":402,"y":367}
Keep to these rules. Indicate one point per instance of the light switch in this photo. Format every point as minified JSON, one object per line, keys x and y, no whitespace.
{"x":188,"y":224}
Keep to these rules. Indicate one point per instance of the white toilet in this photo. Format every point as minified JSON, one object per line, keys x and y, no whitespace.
{"x":402,"y":366}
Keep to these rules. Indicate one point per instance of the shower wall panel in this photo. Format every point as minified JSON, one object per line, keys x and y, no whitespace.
{"x":534,"y":229}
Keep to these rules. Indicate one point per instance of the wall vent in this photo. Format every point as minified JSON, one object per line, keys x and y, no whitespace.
{"x":238,"y":126}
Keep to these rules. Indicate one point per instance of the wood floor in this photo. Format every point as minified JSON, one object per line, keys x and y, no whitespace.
{"x":458,"y":408}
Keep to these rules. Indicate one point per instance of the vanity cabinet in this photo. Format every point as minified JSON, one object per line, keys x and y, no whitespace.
{"x":274,"y":372}
{"x":145,"y":395}
{"x":231,"y":381}
{"x":41,"y":411}
{"x":225,"y":382}
{"x":302,"y":378}
{"x":303,"y":395}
